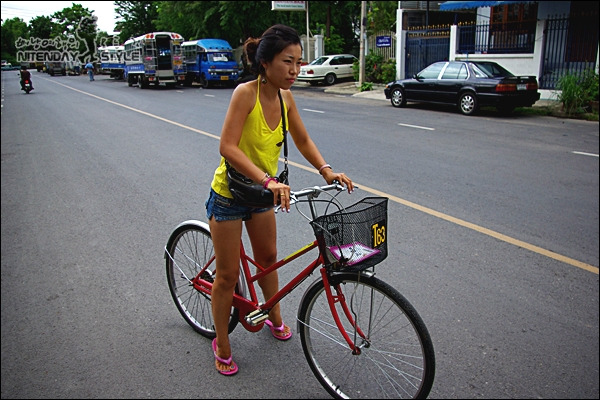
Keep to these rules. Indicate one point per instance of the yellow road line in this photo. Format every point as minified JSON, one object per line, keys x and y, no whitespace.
{"x":457,"y":221}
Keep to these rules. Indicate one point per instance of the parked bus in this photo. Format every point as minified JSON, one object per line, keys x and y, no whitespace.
{"x":209,"y":61}
{"x":112,"y":61}
{"x":154,"y":58}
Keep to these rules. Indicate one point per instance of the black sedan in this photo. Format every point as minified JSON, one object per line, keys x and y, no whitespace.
{"x":467,"y":84}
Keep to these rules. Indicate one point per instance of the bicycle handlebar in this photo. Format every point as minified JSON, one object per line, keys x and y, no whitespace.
{"x":311,"y":193}
{"x":315,"y":190}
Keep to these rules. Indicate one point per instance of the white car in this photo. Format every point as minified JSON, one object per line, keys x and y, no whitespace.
{"x":328,"y":69}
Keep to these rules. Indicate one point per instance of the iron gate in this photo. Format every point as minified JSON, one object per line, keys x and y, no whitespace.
{"x":570,"y":47}
{"x":424,"y":47}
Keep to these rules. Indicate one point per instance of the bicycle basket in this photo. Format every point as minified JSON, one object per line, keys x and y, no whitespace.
{"x":354,"y":238}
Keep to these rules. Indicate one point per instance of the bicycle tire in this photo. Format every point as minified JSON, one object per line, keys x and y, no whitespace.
{"x":396,"y":361}
{"x":189,"y":248}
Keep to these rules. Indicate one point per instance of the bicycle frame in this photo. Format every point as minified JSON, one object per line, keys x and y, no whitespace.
{"x":252,"y":313}
{"x":344,"y":314}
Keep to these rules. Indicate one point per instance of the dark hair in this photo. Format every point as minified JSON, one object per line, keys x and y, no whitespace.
{"x":271,"y":43}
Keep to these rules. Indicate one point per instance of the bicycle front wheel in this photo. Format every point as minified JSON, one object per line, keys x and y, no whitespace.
{"x":396,"y":357}
{"x":189,"y":250}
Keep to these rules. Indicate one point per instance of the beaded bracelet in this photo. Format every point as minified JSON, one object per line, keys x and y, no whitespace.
{"x":269,"y":179}
{"x":323,"y":167}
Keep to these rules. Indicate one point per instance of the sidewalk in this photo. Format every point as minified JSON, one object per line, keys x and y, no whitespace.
{"x":351,"y":89}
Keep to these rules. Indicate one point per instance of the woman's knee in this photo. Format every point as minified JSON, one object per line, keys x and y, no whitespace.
{"x":225,"y":279}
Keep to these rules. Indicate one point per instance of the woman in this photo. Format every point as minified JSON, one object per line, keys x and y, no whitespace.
{"x":249,"y":137}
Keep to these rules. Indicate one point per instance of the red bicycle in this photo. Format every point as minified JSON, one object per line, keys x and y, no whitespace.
{"x":360,"y":336}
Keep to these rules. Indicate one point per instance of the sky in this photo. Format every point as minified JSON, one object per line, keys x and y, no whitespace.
{"x":27,"y":10}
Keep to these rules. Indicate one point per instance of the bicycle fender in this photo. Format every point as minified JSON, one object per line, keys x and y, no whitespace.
{"x":201,"y":224}
{"x":193,"y":222}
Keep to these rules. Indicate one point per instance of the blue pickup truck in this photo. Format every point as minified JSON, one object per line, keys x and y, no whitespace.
{"x":209,"y":62}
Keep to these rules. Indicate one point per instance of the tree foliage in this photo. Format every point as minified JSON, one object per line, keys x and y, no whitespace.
{"x":234,"y":21}
{"x":12,"y":29}
{"x":136,"y":18}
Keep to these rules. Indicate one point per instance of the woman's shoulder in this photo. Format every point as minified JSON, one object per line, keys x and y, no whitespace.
{"x":244,"y":95}
{"x":288,"y":97}
{"x":246,"y":88}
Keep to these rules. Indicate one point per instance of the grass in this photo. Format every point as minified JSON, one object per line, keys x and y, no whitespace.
{"x":556,"y":111}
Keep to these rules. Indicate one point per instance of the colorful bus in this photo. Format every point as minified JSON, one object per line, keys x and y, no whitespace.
{"x":112,"y":61}
{"x":155,"y":58}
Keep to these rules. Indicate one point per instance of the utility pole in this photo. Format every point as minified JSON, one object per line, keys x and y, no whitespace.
{"x":361,"y":58}
{"x":307,"y":35}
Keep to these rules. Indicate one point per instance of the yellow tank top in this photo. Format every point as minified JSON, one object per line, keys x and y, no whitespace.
{"x":259,"y":144}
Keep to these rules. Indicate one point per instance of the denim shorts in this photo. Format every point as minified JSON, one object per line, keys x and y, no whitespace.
{"x":225,"y":209}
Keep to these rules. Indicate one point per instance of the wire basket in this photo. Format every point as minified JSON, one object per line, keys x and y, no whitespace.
{"x":354,"y":238}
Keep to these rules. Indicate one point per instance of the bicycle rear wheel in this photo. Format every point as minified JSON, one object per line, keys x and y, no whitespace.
{"x":189,"y":249}
{"x":396,"y":357}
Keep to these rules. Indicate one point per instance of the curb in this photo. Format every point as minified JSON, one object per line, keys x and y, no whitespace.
{"x":351,"y":89}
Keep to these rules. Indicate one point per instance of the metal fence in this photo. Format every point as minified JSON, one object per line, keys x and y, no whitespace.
{"x":388,"y":49}
{"x":505,"y":38}
{"x":570,"y":47}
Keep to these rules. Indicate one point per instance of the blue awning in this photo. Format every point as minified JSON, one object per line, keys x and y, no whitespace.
{"x":464,"y":5}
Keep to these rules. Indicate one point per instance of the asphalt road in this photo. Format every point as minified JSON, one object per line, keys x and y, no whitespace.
{"x":495,"y":242}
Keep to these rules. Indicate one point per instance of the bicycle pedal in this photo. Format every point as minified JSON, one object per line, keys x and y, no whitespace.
{"x":257,"y":317}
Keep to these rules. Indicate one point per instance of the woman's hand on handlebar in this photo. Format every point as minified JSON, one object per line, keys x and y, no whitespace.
{"x":281,"y":194}
{"x":331,"y":176}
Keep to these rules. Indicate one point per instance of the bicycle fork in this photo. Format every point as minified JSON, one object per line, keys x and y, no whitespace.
{"x":339,"y":297}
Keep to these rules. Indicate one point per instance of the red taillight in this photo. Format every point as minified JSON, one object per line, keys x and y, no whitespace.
{"x":506,"y":87}
{"x":26,"y":82}
{"x":310,"y":71}
{"x":513,"y":87}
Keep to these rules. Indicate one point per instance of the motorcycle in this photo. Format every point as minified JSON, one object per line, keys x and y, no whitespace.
{"x":27,"y":86}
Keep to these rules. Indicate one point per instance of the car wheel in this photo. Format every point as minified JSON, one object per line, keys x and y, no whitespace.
{"x":204,"y":82}
{"x":467,"y":103}
{"x":330,"y":79}
{"x":398,"y":99}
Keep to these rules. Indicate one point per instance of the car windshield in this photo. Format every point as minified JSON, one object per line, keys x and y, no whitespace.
{"x":490,"y":70}
{"x":223,"y":57}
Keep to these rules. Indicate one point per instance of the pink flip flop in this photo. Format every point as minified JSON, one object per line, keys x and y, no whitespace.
{"x":278,"y":329}
{"x":233,"y":368}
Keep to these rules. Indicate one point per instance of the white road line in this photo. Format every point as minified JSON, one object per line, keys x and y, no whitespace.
{"x":315,"y":111}
{"x":585,"y":154}
{"x":417,"y":127}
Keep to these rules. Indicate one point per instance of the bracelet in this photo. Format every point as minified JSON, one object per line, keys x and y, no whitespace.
{"x":323,"y":167}
{"x":264,"y":179}
{"x":269,"y":179}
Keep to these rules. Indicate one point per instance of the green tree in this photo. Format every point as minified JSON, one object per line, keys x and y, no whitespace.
{"x":381,"y":15}
{"x":74,"y":19}
{"x":338,"y":21}
{"x":183,"y":17}
{"x":77,"y":26}
{"x":136,"y":18}
{"x":42,"y":27}
{"x":12,"y":30}
{"x":235,"y":21}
